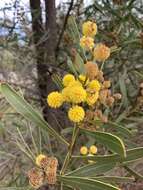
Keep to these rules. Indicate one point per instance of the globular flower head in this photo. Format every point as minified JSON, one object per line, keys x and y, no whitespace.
{"x":39,"y":159}
{"x":89,"y":28}
{"x":107,"y":84}
{"x":75,"y":83}
{"x":83,"y":150}
{"x":92,"y":98}
{"x":93,"y":149}
{"x":55,"y":99}
{"x":94,"y":86}
{"x":76,"y":114}
{"x":87,"y":43}
{"x":68,"y":79}
{"x":101,"y":52}
{"x":77,"y":94}
{"x":65,"y":94}
{"x":51,"y":171}
{"x":36,"y":177}
{"x":83,"y":79}
{"x":91,"y":70}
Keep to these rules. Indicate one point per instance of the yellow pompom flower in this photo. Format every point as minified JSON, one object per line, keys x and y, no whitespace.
{"x":93,"y":149}
{"x":92,"y":98}
{"x":89,"y":28}
{"x":101,"y":52}
{"x":83,"y":150}
{"x":55,"y":99}
{"x":83,"y":79}
{"x":87,"y":43}
{"x":39,"y":158}
{"x":75,"y":83}
{"x":65,"y":94}
{"x":94,"y":86}
{"x":76,"y":114}
{"x":77,"y":94}
{"x":68,"y":79}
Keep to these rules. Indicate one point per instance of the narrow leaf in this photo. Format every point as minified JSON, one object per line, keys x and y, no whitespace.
{"x":25,"y":109}
{"x":91,"y":170}
{"x":86,"y":184}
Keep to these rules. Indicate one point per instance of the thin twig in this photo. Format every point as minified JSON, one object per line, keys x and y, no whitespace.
{"x":64,"y":25}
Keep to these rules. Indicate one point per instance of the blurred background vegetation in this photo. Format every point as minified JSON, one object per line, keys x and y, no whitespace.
{"x":35,"y":46}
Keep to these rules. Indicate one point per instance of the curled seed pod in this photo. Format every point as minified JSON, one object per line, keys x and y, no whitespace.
{"x":117,"y":96}
{"x":51,"y":171}
{"x":36,"y":177}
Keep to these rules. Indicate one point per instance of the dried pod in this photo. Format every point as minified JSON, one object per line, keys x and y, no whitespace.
{"x":36,"y":177}
{"x":51,"y":171}
{"x":117,"y":96}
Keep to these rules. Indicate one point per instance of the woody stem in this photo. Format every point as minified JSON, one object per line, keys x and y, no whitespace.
{"x":69,"y":154}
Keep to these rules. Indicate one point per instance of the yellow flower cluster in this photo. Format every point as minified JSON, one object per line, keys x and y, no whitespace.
{"x":76,"y":91}
{"x":87,"y":43}
{"x":55,"y":100}
{"x":89,"y":28}
{"x":92,"y":150}
{"x":46,"y":172}
{"x":101,"y":52}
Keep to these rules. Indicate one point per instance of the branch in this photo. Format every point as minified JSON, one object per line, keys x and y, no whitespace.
{"x":64,"y":26}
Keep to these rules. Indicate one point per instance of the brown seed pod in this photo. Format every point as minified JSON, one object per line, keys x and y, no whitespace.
{"x":36,"y":177}
{"x":117,"y":96}
{"x":51,"y":171}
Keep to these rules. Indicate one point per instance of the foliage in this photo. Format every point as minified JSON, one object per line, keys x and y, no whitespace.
{"x":88,"y":175}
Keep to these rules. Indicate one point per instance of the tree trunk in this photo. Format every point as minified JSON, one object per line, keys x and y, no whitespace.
{"x":38,"y":34}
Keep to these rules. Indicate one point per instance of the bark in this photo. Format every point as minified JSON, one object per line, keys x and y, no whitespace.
{"x":38,"y":33}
